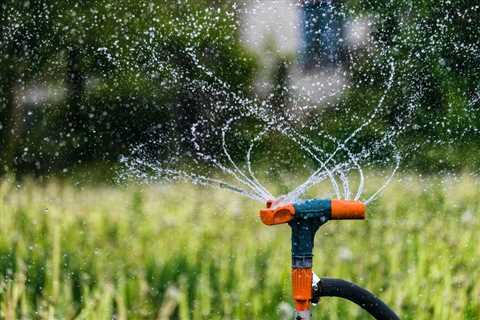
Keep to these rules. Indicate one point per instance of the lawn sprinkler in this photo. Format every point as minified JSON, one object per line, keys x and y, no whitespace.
{"x":305,"y":218}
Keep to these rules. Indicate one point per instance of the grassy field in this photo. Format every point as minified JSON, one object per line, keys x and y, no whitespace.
{"x":176,"y":252}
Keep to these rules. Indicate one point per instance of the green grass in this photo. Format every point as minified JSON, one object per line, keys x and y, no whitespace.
{"x":177,"y":252}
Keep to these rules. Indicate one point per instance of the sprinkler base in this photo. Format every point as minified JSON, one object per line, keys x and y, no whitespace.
{"x":302,"y":315}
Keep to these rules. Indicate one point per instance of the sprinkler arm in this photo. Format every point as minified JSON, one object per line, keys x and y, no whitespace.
{"x":323,"y":209}
{"x":305,"y":218}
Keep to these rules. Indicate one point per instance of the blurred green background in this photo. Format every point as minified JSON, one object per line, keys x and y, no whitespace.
{"x":76,"y":85}
{"x":177,"y":252}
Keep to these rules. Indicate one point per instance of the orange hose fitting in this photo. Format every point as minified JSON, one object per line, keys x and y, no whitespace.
{"x":302,"y":288}
{"x":279,"y":215}
{"x":347,"y":209}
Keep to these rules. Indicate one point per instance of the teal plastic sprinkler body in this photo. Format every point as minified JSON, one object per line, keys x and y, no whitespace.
{"x":309,"y":216}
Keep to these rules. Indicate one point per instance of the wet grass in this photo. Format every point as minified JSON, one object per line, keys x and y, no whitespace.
{"x":176,"y":252}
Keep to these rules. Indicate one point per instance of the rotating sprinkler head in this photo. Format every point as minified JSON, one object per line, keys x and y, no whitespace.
{"x":305,"y":218}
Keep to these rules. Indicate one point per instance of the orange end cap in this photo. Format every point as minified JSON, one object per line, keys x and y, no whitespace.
{"x":302,"y":288}
{"x":278,"y":215}
{"x":348,"y":209}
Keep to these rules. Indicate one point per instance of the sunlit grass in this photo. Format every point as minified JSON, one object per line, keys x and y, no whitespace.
{"x":178,"y":252}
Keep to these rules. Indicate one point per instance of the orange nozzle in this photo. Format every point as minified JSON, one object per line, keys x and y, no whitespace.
{"x":347,"y":209}
{"x":302,"y":288}
{"x":279,"y":215}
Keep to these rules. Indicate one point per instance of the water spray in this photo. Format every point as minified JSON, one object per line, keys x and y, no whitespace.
{"x":304,"y":219}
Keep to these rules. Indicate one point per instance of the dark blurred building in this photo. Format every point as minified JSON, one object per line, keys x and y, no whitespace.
{"x":321,"y":27}
{"x":312,"y":35}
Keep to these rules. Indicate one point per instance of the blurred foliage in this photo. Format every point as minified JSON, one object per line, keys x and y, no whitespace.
{"x":104,"y":56}
{"x":102,"y":53}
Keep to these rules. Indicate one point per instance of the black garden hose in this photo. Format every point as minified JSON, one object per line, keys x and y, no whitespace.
{"x":329,"y":287}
